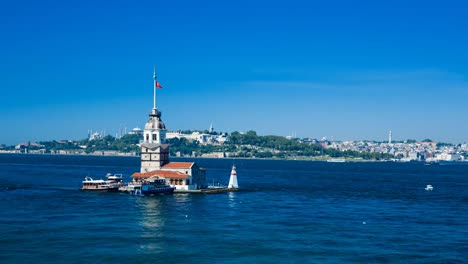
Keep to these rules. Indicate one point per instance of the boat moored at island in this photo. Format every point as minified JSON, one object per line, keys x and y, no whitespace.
{"x":130,"y":187}
{"x":112,"y":183}
{"x":116,"y":178}
{"x":152,"y":186}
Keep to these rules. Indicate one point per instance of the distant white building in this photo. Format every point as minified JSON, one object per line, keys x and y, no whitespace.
{"x":95,"y":136}
{"x":200,"y":137}
{"x":449,"y":157}
{"x":401,"y":154}
{"x":136,"y":131}
{"x":194,"y":136}
{"x":464,"y":147}
{"x":413,"y":155}
{"x":214,"y":155}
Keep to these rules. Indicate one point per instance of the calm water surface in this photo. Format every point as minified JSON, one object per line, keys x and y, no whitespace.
{"x":289,"y":212}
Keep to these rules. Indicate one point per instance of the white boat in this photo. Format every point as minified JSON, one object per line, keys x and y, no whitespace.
{"x":150,"y":186}
{"x":154,"y":186}
{"x":130,"y":187}
{"x":112,"y":183}
{"x":114,"y":177}
{"x":429,"y":187}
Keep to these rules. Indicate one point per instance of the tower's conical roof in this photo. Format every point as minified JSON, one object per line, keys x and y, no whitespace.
{"x":155,"y":121}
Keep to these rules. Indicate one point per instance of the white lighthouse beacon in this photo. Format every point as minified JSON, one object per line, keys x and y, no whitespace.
{"x":233,"y":179}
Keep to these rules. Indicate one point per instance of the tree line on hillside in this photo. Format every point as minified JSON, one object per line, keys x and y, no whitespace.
{"x":246,"y":145}
{"x":250,"y":145}
{"x":127,"y":143}
{"x":282,"y":147}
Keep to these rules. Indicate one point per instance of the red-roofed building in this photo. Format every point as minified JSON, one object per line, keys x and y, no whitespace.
{"x":179,"y":165}
{"x":160,"y":174}
{"x":182,"y":175}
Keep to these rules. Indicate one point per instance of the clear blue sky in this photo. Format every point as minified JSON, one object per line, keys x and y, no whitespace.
{"x":339,"y":69}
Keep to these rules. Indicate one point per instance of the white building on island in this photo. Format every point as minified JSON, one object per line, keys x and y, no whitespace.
{"x":155,"y":157}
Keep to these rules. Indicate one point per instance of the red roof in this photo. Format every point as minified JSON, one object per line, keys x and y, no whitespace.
{"x":179,"y":165}
{"x":162,"y":174}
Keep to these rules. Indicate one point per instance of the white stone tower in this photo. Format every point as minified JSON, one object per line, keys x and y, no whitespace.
{"x":390,"y":137}
{"x":154,"y":151}
{"x":233,"y":179}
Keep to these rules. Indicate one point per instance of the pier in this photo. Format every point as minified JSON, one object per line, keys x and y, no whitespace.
{"x":208,"y":191}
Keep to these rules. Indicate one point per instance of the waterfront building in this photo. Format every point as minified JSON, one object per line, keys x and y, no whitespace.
{"x":155,"y":156}
{"x":181,"y":175}
{"x":449,"y":157}
{"x":413,"y":155}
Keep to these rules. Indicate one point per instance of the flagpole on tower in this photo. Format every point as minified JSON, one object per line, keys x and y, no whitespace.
{"x":154,"y":87}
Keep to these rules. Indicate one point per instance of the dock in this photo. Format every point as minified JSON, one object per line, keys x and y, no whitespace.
{"x":208,"y":191}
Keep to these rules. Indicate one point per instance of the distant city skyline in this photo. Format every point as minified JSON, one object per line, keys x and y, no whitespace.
{"x":351,"y":71}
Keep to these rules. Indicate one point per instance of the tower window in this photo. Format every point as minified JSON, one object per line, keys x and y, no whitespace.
{"x":155,"y":137}
{"x":147,"y":137}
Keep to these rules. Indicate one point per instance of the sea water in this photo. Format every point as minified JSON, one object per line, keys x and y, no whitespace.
{"x":286,"y":212}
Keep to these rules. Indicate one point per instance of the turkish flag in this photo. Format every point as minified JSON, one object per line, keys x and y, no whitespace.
{"x":158,"y":85}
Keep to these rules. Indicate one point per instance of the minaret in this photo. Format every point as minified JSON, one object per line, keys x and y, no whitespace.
{"x":390,"y":137}
{"x":233,"y":179}
{"x":154,"y":151}
{"x":211,"y":128}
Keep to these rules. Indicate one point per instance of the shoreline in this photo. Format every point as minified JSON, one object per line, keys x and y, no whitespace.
{"x":300,"y":158}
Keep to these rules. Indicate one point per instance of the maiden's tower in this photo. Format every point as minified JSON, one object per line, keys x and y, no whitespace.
{"x":184,"y":176}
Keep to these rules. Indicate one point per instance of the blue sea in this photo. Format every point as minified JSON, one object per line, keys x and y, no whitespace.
{"x":286,"y":212}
